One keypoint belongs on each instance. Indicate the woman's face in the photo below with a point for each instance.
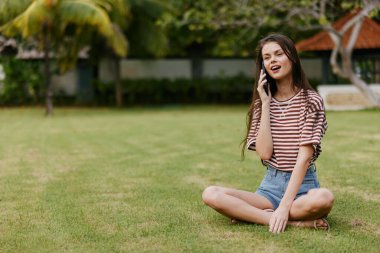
(276, 62)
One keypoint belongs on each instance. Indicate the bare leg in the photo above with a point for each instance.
(317, 203)
(237, 204)
(248, 206)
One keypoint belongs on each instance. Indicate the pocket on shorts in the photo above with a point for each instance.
(310, 177)
(266, 180)
(268, 177)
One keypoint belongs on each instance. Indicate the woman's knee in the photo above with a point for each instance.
(322, 199)
(210, 195)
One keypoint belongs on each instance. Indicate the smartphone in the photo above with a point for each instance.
(266, 85)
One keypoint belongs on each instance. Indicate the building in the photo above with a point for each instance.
(366, 53)
(76, 82)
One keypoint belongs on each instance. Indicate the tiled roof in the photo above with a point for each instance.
(369, 36)
(7, 43)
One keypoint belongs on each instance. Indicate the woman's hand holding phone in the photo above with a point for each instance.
(264, 96)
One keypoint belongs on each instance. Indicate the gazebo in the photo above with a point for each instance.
(366, 54)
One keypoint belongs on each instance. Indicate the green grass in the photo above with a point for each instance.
(131, 181)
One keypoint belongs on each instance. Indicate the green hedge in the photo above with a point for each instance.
(226, 90)
(222, 90)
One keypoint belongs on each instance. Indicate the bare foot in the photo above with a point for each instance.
(321, 224)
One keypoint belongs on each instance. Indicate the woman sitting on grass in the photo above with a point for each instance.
(286, 123)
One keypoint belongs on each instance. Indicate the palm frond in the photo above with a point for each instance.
(118, 5)
(85, 12)
(9, 9)
(118, 42)
(120, 13)
(29, 22)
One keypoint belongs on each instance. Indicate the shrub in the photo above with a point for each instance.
(224, 90)
(220, 90)
(23, 82)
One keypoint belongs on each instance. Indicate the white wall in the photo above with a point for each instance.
(228, 67)
(345, 97)
(66, 83)
(163, 68)
(156, 68)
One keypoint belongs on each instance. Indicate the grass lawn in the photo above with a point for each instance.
(131, 181)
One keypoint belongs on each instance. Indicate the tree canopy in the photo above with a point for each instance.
(62, 28)
(69, 25)
(230, 28)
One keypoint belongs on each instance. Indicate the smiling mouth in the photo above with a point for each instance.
(275, 68)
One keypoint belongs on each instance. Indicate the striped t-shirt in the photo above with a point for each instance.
(297, 121)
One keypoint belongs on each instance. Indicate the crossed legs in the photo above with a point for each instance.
(248, 206)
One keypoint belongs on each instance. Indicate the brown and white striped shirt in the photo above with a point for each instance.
(297, 121)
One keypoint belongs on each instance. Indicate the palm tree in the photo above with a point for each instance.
(62, 27)
(139, 23)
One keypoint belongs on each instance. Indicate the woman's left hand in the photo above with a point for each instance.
(279, 219)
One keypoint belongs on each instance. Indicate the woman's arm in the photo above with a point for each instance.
(303, 160)
(264, 142)
(280, 217)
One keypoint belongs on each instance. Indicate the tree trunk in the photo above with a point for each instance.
(365, 89)
(196, 54)
(118, 90)
(357, 81)
(48, 88)
(346, 70)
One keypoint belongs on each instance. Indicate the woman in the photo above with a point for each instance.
(286, 123)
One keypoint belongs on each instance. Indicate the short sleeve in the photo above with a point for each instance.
(255, 126)
(315, 124)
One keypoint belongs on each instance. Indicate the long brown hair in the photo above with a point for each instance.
(299, 77)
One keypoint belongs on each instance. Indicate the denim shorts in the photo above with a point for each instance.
(275, 182)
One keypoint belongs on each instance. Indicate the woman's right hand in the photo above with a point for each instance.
(260, 88)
